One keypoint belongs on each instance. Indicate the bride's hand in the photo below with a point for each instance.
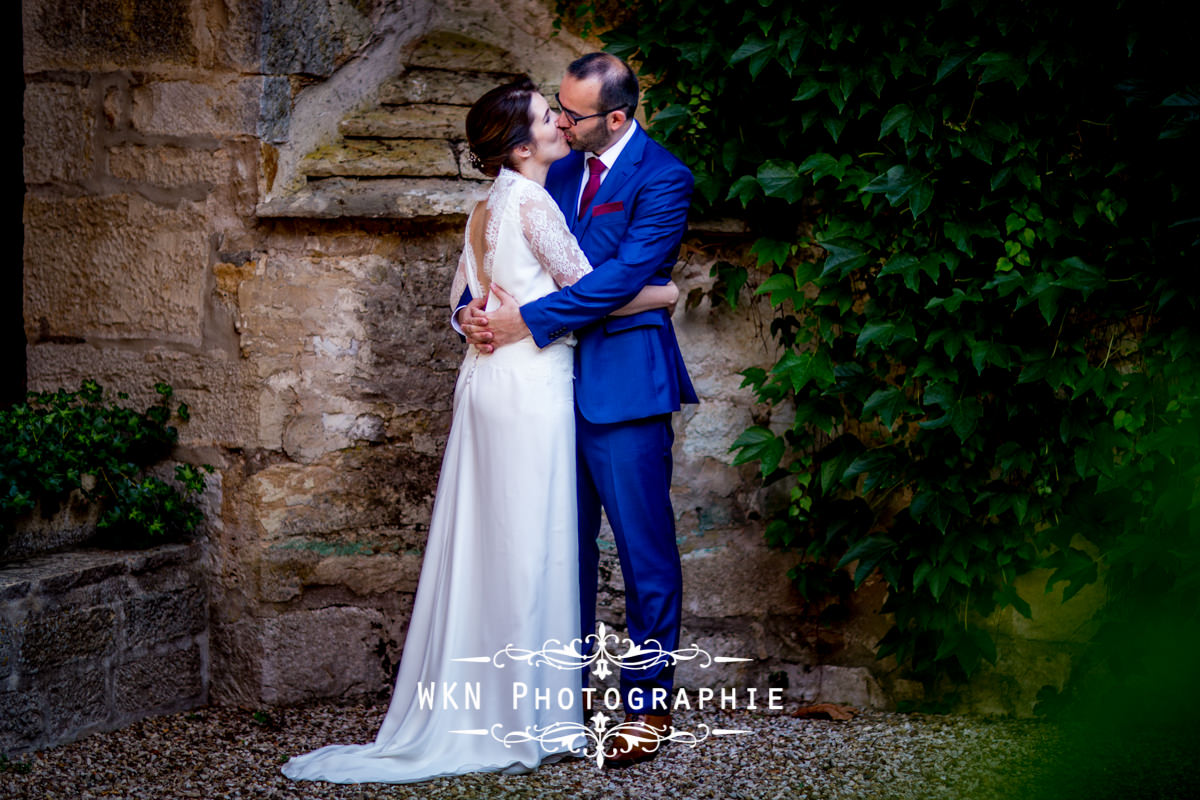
(673, 290)
(474, 323)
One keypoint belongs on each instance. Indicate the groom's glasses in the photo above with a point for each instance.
(578, 118)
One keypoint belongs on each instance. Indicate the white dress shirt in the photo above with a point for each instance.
(607, 159)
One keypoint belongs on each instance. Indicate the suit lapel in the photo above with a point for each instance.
(564, 187)
(614, 182)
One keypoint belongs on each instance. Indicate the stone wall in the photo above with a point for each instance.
(93, 640)
(186, 221)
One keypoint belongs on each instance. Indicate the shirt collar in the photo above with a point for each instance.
(611, 154)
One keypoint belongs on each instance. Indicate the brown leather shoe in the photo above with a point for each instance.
(637, 740)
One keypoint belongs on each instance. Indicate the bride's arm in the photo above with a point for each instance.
(558, 251)
(651, 297)
(459, 284)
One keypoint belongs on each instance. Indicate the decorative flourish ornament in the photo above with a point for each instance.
(597, 650)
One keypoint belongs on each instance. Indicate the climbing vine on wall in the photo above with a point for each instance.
(976, 223)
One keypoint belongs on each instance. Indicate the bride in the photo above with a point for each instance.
(500, 564)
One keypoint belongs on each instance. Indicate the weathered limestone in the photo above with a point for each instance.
(384, 198)
(339, 647)
(94, 640)
(429, 121)
(446, 86)
(220, 392)
(184, 108)
(446, 48)
(60, 34)
(314, 38)
(59, 128)
(115, 267)
(417, 157)
(171, 165)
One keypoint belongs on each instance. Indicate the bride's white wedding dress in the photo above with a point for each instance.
(500, 565)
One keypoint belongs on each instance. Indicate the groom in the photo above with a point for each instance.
(626, 200)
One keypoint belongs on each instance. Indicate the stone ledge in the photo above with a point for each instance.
(384, 198)
(93, 640)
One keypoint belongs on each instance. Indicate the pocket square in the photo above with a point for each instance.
(608, 208)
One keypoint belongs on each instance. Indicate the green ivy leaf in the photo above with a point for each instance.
(844, 256)
(669, 118)
(756, 51)
(900, 120)
(758, 444)
(888, 404)
(782, 179)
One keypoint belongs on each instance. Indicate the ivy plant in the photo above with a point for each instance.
(62, 442)
(976, 223)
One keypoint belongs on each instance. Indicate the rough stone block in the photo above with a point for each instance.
(312, 38)
(228, 34)
(439, 86)
(111, 32)
(379, 487)
(181, 108)
(75, 700)
(854, 686)
(382, 573)
(114, 267)
(453, 51)
(170, 165)
(44, 529)
(375, 159)
(408, 122)
(275, 110)
(219, 391)
(339, 647)
(10, 633)
(68, 636)
(236, 670)
(715, 580)
(160, 618)
(59, 126)
(159, 682)
(21, 721)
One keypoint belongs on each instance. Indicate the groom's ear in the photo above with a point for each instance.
(616, 119)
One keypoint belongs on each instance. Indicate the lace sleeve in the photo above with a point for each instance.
(460, 280)
(546, 231)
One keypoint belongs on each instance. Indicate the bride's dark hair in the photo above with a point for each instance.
(497, 124)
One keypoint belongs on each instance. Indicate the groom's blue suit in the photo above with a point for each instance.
(629, 378)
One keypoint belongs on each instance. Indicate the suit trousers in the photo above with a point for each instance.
(625, 468)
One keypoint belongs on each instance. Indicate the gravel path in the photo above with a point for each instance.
(230, 753)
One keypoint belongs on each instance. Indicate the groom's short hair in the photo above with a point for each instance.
(618, 83)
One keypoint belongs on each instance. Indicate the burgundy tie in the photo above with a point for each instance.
(596, 168)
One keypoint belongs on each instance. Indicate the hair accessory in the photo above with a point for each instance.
(475, 160)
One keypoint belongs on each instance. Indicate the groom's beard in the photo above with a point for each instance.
(594, 141)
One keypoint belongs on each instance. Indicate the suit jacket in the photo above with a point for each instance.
(626, 368)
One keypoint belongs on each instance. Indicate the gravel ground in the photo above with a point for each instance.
(231, 753)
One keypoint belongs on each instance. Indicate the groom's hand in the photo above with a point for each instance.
(505, 323)
(474, 323)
